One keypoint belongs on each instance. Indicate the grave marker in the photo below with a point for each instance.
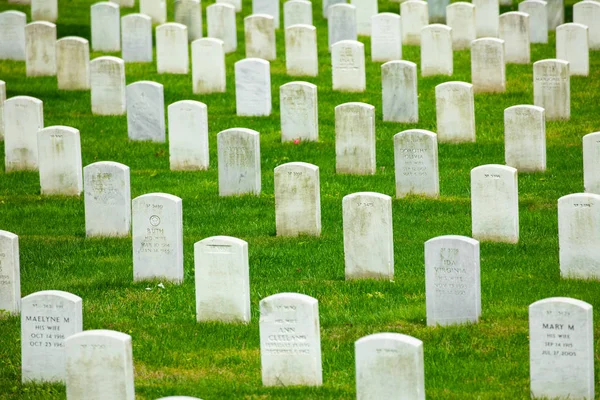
(172, 53)
(399, 91)
(108, 86)
(188, 136)
(538, 19)
(386, 37)
(297, 12)
(73, 63)
(455, 112)
(237, 4)
(10, 274)
(239, 162)
(301, 50)
(23, 117)
(208, 66)
(12, 35)
(551, 88)
(437, 11)
(106, 27)
(355, 139)
(136, 38)
(487, 18)
(416, 163)
(298, 110)
(44, 10)
(365, 10)
(556, 13)
(146, 111)
(260, 37)
(514, 30)
(253, 87)
(341, 24)
(220, 19)
(2, 99)
(40, 49)
(488, 69)
(348, 66)
(572, 46)
(59, 151)
(461, 18)
(155, 9)
(588, 13)
(436, 50)
(268, 7)
(591, 162)
(525, 138)
(415, 16)
(189, 13)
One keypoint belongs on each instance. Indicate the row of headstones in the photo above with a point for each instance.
(55, 348)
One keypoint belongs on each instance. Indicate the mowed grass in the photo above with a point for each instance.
(175, 355)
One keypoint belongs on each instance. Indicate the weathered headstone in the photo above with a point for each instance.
(268, 7)
(455, 112)
(299, 112)
(189, 13)
(220, 19)
(572, 46)
(488, 69)
(556, 13)
(108, 85)
(106, 27)
(99, 365)
(514, 30)
(237, 4)
(538, 19)
(155, 9)
(365, 10)
(208, 66)
(260, 37)
(552, 89)
(12, 35)
(297, 12)
(495, 203)
(579, 235)
(59, 152)
(188, 135)
(157, 237)
(48, 318)
(355, 139)
(591, 162)
(290, 318)
(239, 162)
(23, 117)
(400, 99)
(73, 63)
(44, 10)
(253, 87)
(328, 3)
(222, 279)
(416, 163)
(389, 366)
(107, 196)
(415, 17)
(525, 138)
(452, 280)
(10, 274)
(588, 13)
(561, 349)
(146, 111)
(437, 11)
(368, 236)
(124, 3)
(486, 18)
(301, 57)
(2, 99)
(436, 50)
(40, 49)
(348, 66)
(461, 18)
(386, 37)
(136, 38)
(172, 52)
(297, 199)
(341, 24)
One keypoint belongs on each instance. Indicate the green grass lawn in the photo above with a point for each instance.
(175, 355)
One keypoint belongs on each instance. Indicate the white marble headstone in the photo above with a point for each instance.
(146, 111)
(2, 99)
(157, 237)
(556, 13)
(188, 136)
(452, 280)
(268, 7)
(552, 89)
(124, 3)
(222, 279)
(237, 4)
(155, 9)
(44, 10)
(299, 112)
(416, 163)
(572, 45)
(253, 87)
(239, 162)
(487, 13)
(561, 349)
(538, 19)
(107, 81)
(106, 27)
(290, 318)
(591, 162)
(437, 11)
(259, 32)
(368, 236)
(220, 19)
(495, 203)
(40, 49)
(400, 98)
(355, 139)
(348, 66)
(99, 366)
(436, 50)
(588, 13)
(328, 3)
(107, 196)
(12, 35)
(389, 366)
(514, 30)
(365, 10)
(189, 13)
(172, 52)
(579, 235)
(525, 138)
(301, 57)
(73, 63)
(208, 66)
(415, 16)
(488, 69)
(47, 319)
(341, 23)
(297, 199)
(460, 17)
(23, 117)
(10, 274)
(386, 37)
(297, 12)
(59, 152)
(455, 112)
(136, 38)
